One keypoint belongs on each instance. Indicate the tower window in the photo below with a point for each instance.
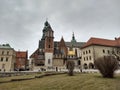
(49, 46)
(51, 34)
(48, 61)
(49, 40)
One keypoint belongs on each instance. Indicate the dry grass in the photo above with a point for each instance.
(65, 82)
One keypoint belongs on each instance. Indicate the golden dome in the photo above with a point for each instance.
(71, 53)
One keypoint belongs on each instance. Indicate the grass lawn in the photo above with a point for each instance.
(65, 82)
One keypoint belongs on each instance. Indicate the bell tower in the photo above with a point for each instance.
(49, 44)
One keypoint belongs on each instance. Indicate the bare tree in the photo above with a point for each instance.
(116, 50)
(70, 66)
(107, 65)
(116, 53)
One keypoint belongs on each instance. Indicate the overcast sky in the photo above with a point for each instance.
(22, 21)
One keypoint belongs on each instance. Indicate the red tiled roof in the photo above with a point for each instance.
(104, 42)
(22, 54)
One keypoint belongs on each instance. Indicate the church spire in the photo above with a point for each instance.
(73, 39)
(46, 28)
(46, 23)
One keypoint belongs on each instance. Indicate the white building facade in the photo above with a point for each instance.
(96, 48)
(7, 58)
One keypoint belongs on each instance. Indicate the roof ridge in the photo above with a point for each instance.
(100, 41)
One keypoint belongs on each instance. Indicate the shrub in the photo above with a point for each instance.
(70, 66)
(106, 66)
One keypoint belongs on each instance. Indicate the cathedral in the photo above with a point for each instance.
(53, 55)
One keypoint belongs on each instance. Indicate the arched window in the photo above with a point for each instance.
(85, 66)
(79, 62)
(103, 51)
(91, 65)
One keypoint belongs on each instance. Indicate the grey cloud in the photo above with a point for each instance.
(22, 21)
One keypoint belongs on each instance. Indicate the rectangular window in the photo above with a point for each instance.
(1, 59)
(108, 52)
(6, 59)
(87, 58)
(90, 57)
(80, 57)
(83, 53)
(2, 52)
(89, 51)
(7, 52)
(49, 46)
(86, 52)
(48, 61)
(103, 51)
(84, 58)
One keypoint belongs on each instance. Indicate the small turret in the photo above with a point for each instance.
(73, 39)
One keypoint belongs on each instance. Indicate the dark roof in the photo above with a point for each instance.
(47, 27)
(69, 44)
(77, 44)
(56, 44)
(37, 53)
(41, 44)
(56, 50)
(5, 46)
